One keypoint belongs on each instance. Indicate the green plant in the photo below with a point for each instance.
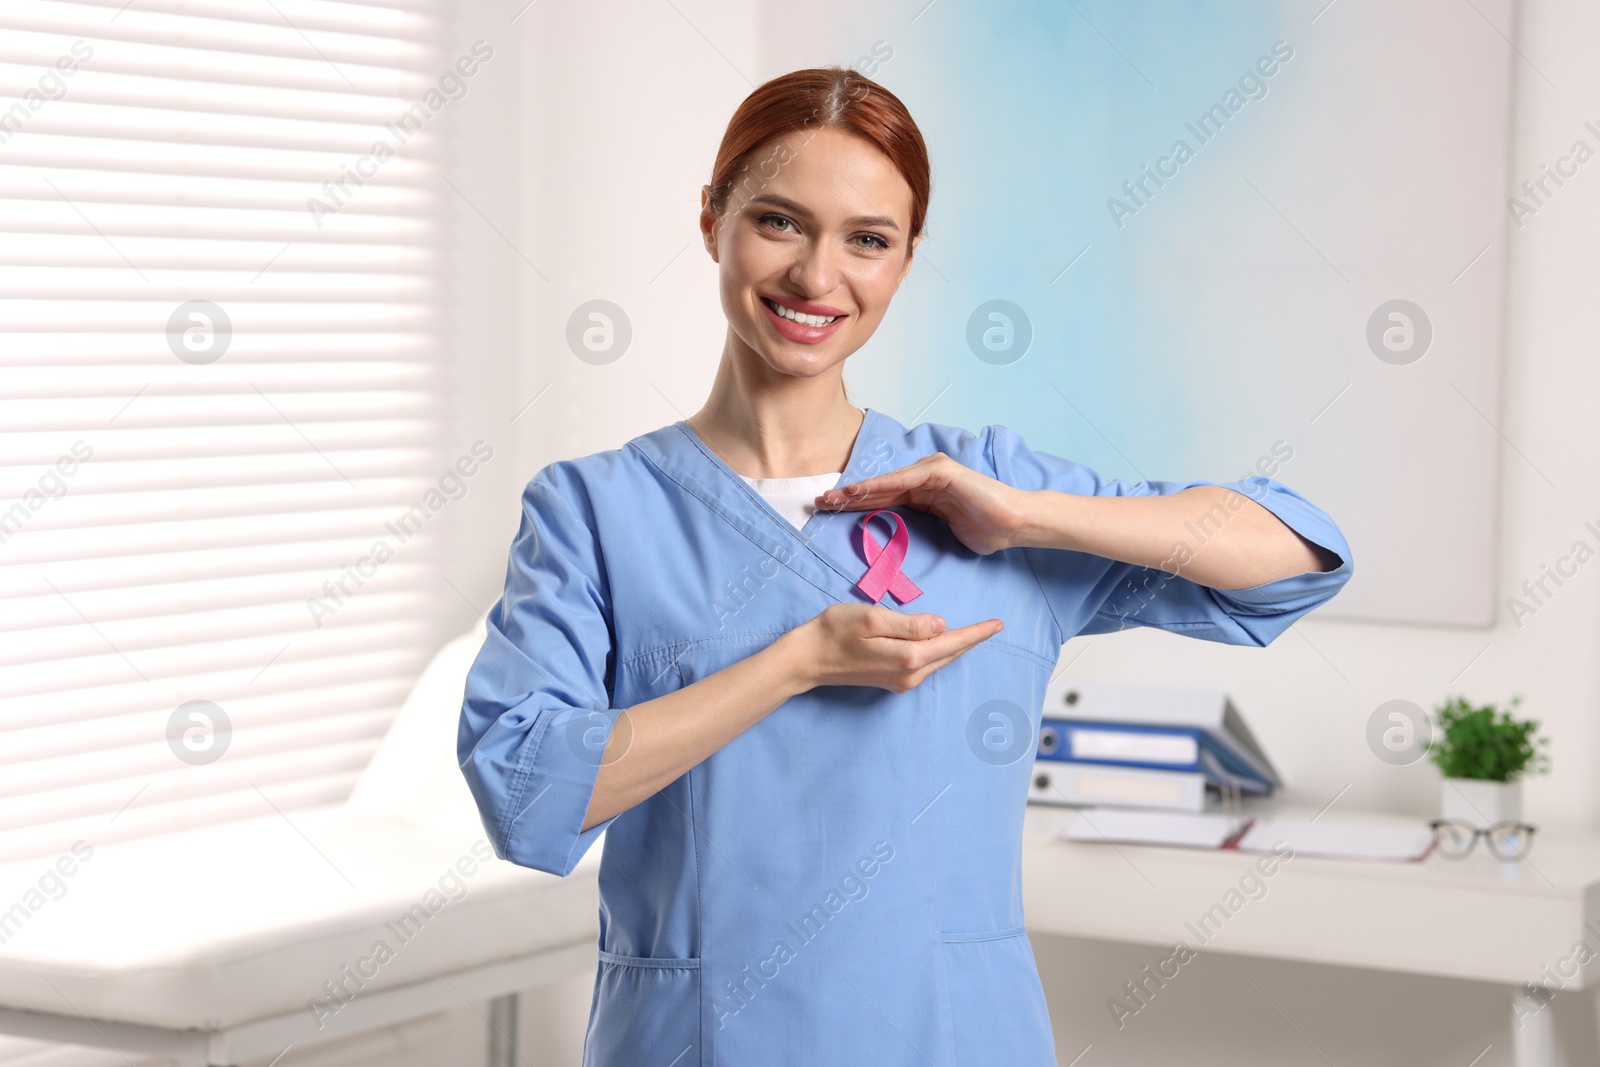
(1487, 743)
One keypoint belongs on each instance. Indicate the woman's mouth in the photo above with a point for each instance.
(799, 326)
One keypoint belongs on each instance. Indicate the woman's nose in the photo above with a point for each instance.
(815, 271)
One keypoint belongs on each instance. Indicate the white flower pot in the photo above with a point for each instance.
(1481, 803)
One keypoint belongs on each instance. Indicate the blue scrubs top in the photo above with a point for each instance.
(842, 882)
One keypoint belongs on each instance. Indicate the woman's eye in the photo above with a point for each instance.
(782, 224)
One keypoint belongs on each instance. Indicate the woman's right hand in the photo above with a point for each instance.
(867, 644)
(848, 644)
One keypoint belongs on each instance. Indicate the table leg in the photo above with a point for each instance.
(503, 1031)
(1533, 1027)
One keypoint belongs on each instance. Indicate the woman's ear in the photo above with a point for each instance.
(708, 222)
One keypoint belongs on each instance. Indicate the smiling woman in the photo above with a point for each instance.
(738, 761)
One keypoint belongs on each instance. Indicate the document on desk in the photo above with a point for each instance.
(1341, 839)
(1183, 828)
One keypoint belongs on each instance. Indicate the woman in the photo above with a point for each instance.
(813, 801)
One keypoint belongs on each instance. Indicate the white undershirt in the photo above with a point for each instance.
(794, 498)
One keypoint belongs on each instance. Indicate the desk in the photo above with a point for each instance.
(1513, 924)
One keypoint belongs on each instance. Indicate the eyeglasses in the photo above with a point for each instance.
(1454, 838)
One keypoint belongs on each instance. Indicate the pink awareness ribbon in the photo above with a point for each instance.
(883, 564)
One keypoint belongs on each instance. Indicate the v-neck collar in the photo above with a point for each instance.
(681, 453)
(845, 478)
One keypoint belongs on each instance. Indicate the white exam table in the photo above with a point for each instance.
(212, 946)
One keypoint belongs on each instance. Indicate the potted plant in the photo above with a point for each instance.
(1485, 753)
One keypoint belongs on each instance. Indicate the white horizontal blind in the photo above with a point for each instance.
(179, 482)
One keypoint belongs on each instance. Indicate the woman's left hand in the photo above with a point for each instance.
(984, 514)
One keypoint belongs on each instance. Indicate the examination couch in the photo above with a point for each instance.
(231, 943)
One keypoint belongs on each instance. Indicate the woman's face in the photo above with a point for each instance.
(817, 226)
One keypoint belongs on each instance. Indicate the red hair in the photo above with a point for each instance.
(812, 99)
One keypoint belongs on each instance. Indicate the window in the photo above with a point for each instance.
(221, 405)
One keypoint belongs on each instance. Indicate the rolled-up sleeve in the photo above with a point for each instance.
(536, 711)
(1090, 594)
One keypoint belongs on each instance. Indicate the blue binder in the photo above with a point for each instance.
(1154, 727)
(1188, 749)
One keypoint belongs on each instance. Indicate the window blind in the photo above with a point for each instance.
(221, 391)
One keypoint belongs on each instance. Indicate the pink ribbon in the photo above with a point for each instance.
(883, 564)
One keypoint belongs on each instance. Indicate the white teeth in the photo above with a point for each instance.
(799, 316)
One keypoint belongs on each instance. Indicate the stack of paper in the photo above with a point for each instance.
(1342, 838)
(1188, 829)
(1385, 839)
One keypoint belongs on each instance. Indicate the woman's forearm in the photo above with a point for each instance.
(652, 744)
(1212, 535)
